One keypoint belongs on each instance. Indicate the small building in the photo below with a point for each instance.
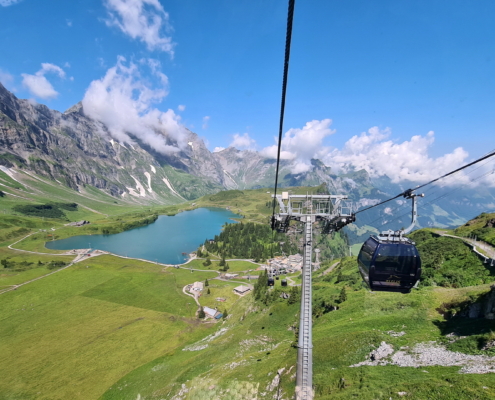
(213, 313)
(242, 290)
(197, 286)
(230, 276)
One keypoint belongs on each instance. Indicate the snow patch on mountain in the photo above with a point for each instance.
(171, 188)
(139, 187)
(148, 175)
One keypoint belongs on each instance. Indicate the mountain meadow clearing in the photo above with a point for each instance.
(114, 328)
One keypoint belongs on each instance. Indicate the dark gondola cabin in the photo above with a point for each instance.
(284, 282)
(271, 282)
(389, 265)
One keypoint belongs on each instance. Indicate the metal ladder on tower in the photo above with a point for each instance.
(304, 389)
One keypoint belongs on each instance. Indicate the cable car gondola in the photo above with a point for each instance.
(390, 261)
(271, 282)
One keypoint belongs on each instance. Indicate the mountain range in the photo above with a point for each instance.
(74, 151)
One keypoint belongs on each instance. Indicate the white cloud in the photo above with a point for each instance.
(217, 149)
(205, 122)
(302, 145)
(6, 3)
(375, 152)
(181, 107)
(243, 142)
(408, 160)
(68, 22)
(38, 85)
(143, 20)
(122, 100)
(6, 78)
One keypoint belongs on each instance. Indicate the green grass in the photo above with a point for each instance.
(74, 333)
(108, 328)
(26, 266)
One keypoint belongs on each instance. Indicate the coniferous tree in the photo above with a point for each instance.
(206, 283)
(225, 314)
(201, 313)
(343, 295)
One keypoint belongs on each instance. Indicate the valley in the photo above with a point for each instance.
(125, 330)
(113, 326)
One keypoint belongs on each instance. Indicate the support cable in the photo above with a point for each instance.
(408, 192)
(288, 37)
(400, 208)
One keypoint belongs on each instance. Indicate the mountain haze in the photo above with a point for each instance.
(78, 152)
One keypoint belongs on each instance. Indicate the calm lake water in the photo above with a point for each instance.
(164, 240)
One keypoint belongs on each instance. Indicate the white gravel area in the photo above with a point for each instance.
(203, 343)
(429, 354)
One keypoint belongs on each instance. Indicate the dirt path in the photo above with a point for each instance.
(184, 290)
(330, 269)
(14, 287)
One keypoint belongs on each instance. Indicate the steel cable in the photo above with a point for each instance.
(288, 38)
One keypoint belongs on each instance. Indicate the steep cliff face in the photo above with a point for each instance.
(76, 151)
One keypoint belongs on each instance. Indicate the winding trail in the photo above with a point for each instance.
(330, 269)
(84, 254)
(489, 250)
(78, 258)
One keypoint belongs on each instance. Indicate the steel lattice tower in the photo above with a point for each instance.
(334, 214)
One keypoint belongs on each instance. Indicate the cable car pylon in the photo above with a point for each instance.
(334, 213)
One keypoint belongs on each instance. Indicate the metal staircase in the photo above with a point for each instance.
(304, 377)
(334, 215)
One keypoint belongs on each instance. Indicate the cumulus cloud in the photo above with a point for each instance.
(38, 85)
(123, 99)
(217, 149)
(381, 156)
(243, 142)
(6, 3)
(143, 20)
(181, 107)
(205, 122)
(302, 144)
(378, 154)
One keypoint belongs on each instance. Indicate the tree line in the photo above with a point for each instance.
(250, 241)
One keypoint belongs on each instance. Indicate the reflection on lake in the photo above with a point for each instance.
(163, 241)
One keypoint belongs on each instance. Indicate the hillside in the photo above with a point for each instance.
(45, 154)
(119, 318)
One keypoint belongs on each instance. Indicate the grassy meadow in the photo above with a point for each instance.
(74, 333)
(110, 328)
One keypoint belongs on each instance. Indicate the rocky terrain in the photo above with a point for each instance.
(78, 152)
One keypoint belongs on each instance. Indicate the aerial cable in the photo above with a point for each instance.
(441, 196)
(288, 37)
(408, 192)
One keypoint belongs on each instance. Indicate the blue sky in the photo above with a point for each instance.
(407, 81)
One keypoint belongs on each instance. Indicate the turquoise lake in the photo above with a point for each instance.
(163, 241)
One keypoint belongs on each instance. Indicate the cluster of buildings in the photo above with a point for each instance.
(283, 265)
(197, 288)
(79, 223)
